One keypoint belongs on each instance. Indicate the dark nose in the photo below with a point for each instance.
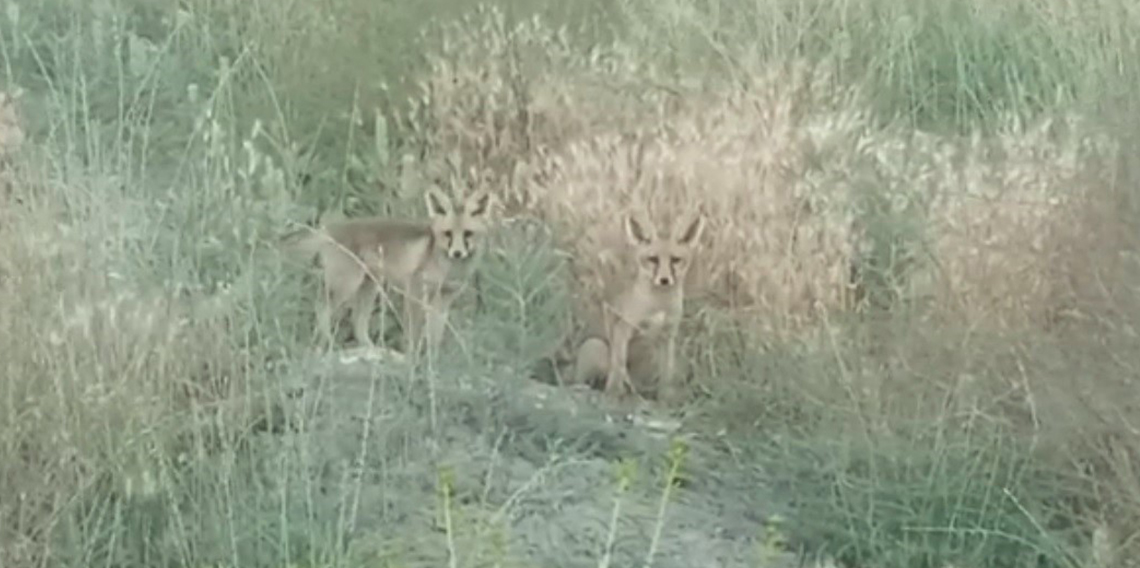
(456, 254)
(664, 281)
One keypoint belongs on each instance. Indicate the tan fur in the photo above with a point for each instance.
(427, 262)
(643, 309)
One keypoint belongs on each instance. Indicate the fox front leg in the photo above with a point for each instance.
(669, 390)
(617, 376)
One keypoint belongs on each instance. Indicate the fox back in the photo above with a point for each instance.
(399, 249)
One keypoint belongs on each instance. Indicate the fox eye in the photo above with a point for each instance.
(447, 235)
(675, 260)
(468, 234)
(653, 259)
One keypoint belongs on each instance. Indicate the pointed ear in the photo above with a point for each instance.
(640, 233)
(478, 204)
(691, 233)
(438, 203)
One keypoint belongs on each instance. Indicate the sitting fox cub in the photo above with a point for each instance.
(427, 262)
(643, 309)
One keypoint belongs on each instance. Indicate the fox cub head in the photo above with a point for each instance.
(456, 230)
(664, 261)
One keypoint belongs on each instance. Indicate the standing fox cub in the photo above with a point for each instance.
(427, 262)
(645, 308)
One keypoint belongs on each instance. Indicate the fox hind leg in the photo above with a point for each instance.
(591, 365)
(341, 284)
(363, 302)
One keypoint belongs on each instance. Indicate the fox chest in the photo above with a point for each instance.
(654, 323)
(647, 323)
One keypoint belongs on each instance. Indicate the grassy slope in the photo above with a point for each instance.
(147, 329)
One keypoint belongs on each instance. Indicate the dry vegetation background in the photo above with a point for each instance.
(917, 310)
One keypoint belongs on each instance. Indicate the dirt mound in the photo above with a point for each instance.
(532, 473)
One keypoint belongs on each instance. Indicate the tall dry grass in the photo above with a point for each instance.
(809, 197)
(105, 381)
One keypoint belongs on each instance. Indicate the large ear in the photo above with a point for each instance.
(438, 203)
(478, 204)
(639, 232)
(691, 233)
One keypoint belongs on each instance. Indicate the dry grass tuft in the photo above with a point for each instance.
(573, 140)
(1004, 214)
(778, 244)
(800, 184)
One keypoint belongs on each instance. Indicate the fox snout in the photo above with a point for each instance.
(663, 271)
(458, 246)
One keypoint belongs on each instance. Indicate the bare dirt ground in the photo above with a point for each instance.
(532, 470)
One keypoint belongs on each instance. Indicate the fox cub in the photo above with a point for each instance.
(428, 262)
(644, 308)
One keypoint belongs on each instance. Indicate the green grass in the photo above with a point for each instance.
(155, 343)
